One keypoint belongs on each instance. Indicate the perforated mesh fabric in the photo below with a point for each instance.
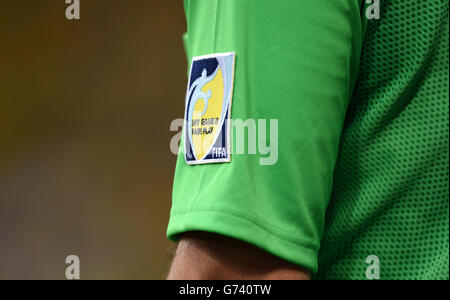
(391, 185)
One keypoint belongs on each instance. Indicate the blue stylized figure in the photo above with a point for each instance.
(196, 91)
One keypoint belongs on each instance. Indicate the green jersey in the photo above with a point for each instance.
(358, 110)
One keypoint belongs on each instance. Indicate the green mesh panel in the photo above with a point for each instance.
(391, 184)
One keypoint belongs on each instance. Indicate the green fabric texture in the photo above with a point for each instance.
(391, 187)
(363, 135)
(296, 61)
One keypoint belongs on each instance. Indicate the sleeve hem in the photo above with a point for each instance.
(241, 228)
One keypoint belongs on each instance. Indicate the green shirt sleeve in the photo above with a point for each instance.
(296, 62)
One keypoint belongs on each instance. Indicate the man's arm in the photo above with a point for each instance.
(206, 256)
(296, 62)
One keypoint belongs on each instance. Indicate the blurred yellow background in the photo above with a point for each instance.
(85, 109)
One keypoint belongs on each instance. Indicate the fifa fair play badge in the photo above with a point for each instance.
(208, 109)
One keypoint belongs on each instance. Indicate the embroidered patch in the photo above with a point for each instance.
(208, 109)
